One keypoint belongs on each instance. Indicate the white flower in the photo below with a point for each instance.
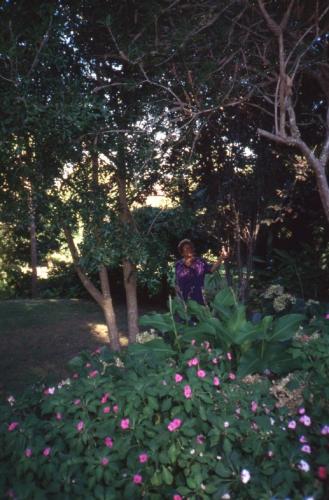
(192, 452)
(11, 400)
(303, 465)
(219, 457)
(202, 486)
(226, 424)
(226, 496)
(245, 476)
(272, 421)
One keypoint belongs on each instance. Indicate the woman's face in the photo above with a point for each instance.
(188, 252)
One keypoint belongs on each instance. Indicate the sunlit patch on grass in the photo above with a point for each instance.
(99, 331)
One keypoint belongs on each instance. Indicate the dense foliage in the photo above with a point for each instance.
(158, 428)
(162, 422)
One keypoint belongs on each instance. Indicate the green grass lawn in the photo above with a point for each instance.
(39, 337)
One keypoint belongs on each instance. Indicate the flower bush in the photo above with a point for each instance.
(176, 425)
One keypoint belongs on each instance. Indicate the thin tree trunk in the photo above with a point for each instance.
(129, 268)
(108, 309)
(129, 276)
(33, 243)
(103, 299)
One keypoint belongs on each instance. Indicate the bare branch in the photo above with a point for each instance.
(287, 141)
(286, 16)
(273, 25)
(325, 150)
(43, 42)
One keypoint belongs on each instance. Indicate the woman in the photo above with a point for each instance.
(191, 270)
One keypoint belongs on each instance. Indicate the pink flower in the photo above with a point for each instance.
(12, 426)
(58, 416)
(75, 375)
(49, 390)
(108, 442)
(28, 452)
(214, 361)
(124, 423)
(178, 378)
(93, 374)
(77, 402)
(201, 373)
(107, 409)
(303, 439)
(187, 392)
(200, 439)
(232, 376)
(254, 406)
(193, 362)
(306, 448)
(301, 411)
(104, 461)
(325, 430)
(80, 425)
(46, 452)
(177, 497)
(229, 356)
(105, 398)
(115, 408)
(326, 316)
(143, 458)
(292, 424)
(216, 381)
(206, 344)
(270, 454)
(137, 479)
(193, 342)
(305, 420)
(97, 351)
(322, 472)
(174, 424)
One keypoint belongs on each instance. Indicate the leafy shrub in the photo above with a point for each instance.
(157, 424)
(256, 347)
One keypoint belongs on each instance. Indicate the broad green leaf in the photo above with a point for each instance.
(160, 322)
(286, 327)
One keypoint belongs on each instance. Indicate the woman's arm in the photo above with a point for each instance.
(224, 254)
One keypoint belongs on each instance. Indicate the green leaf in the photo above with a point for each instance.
(224, 298)
(172, 453)
(202, 313)
(160, 322)
(156, 479)
(286, 327)
(167, 475)
(156, 347)
(222, 471)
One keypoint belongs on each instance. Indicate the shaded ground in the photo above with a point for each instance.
(39, 337)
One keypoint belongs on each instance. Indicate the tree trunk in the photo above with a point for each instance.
(104, 299)
(108, 309)
(129, 268)
(33, 243)
(129, 276)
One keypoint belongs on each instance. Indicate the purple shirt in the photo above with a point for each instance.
(190, 279)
